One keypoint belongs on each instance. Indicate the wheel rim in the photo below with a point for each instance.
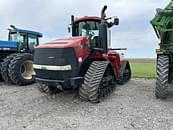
(27, 69)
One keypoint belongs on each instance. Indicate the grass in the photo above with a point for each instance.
(143, 69)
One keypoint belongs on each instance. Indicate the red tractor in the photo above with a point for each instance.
(82, 62)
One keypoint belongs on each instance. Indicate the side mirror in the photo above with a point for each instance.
(116, 21)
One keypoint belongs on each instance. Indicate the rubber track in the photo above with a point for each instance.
(162, 76)
(43, 88)
(90, 89)
(49, 90)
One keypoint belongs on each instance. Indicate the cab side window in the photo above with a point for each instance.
(32, 42)
(23, 42)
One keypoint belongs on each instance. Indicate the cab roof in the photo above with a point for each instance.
(26, 31)
(77, 19)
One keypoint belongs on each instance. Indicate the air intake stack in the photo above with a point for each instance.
(103, 30)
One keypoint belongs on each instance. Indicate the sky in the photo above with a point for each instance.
(51, 17)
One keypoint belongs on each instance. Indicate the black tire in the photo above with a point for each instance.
(47, 89)
(0, 70)
(162, 76)
(126, 73)
(4, 68)
(19, 73)
(92, 89)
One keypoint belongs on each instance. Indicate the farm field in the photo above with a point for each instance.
(143, 68)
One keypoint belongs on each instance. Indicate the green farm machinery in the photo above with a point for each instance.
(163, 26)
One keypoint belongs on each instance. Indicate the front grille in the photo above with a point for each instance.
(56, 57)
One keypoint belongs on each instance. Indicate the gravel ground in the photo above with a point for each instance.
(131, 106)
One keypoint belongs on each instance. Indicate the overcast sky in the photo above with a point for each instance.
(51, 17)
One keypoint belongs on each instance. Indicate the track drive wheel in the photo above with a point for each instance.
(162, 76)
(4, 68)
(21, 69)
(99, 82)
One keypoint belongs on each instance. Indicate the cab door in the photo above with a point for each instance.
(32, 42)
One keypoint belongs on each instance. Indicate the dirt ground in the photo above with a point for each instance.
(131, 106)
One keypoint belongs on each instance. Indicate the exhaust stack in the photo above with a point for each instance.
(103, 13)
(103, 30)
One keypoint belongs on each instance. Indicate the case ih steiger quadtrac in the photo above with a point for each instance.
(82, 62)
(163, 26)
(16, 56)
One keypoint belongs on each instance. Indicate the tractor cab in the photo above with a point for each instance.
(25, 40)
(95, 29)
(87, 26)
(19, 41)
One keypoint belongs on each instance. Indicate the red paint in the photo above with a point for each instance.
(80, 45)
(112, 56)
(82, 51)
(64, 42)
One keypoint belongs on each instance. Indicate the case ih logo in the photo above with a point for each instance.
(51, 57)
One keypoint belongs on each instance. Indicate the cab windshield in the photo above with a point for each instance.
(25, 41)
(88, 28)
(16, 37)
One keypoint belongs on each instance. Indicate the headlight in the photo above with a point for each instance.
(50, 67)
(5, 48)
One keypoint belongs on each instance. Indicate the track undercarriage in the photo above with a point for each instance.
(99, 82)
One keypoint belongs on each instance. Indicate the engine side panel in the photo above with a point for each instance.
(112, 57)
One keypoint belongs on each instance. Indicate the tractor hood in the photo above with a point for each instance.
(8, 45)
(65, 43)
